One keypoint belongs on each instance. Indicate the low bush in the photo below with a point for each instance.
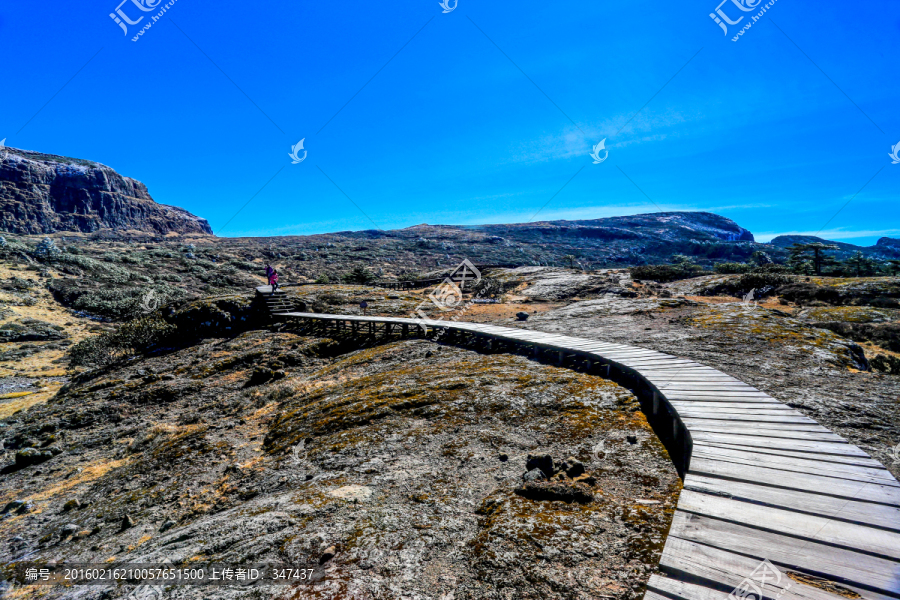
(665, 273)
(119, 303)
(761, 283)
(732, 268)
(134, 337)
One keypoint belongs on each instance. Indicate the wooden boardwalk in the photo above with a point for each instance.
(762, 482)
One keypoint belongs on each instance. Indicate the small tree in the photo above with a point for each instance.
(360, 275)
(815, 252)
(46, 250)
(860, 264)
(893, 267)
(570, 260)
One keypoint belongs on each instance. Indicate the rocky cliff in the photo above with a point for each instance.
(44, 193)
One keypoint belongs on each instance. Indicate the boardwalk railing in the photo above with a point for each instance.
(774, 506)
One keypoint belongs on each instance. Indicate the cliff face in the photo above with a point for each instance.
(43, 193)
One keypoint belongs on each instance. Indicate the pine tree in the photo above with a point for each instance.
(893, 267)
(860, 264)
(46, 249)
(814, 253)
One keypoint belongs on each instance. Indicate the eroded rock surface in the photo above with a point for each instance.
(393, 470)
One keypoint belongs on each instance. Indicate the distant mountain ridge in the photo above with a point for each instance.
(45, 193)
(884, 246)
(663, 226)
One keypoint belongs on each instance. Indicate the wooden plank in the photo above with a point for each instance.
(835, 564)
(861, 490)
(713, 394)
(863, 461)
(683, 560)
(797, 465)
(749, 416)
(859, 538)
(751, 441)
(725, 401)
(662, 588)
(738, 407)
(852, 511)
(797, 431)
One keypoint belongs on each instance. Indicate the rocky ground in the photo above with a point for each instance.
(397, 470)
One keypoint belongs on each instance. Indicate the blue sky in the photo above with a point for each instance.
(483, 116)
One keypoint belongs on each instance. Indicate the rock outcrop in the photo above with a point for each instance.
(44, 193)
(660, 227)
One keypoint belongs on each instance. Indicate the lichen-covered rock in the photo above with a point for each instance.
(32, 456)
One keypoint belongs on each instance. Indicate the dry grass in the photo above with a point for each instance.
(7, 409)
(91, 472)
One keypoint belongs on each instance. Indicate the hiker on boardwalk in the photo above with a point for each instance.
(273, 280)
(269, 270)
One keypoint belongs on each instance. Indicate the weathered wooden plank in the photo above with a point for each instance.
(662, 588)
(684, 560)
(797, 431)
(863, 461)
(833, 563)
(735, 407)
(859, 538)
(797, 465)
(751, 441)
(749, 416)
(718, 393)
(862, 490)
(851, 511)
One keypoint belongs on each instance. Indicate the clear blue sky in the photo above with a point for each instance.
(450, 130)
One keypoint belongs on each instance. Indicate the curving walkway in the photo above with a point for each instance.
(762, 482)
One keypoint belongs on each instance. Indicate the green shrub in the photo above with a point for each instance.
(732, 268)
(119, 303)
(138, 336)
(46, 250)
(359, 275)
(664, 273)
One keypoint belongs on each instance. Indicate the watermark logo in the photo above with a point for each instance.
(123, 20)
(295, 149)
(596, 153)
(598, 452)
(299, 456)
(149, 302)
(895, 452)
(895, 150)
(445, 4)
(448, 295)
(143, 5)
(723, 20)
(751, 588)
(748, 299)
(146, 591)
